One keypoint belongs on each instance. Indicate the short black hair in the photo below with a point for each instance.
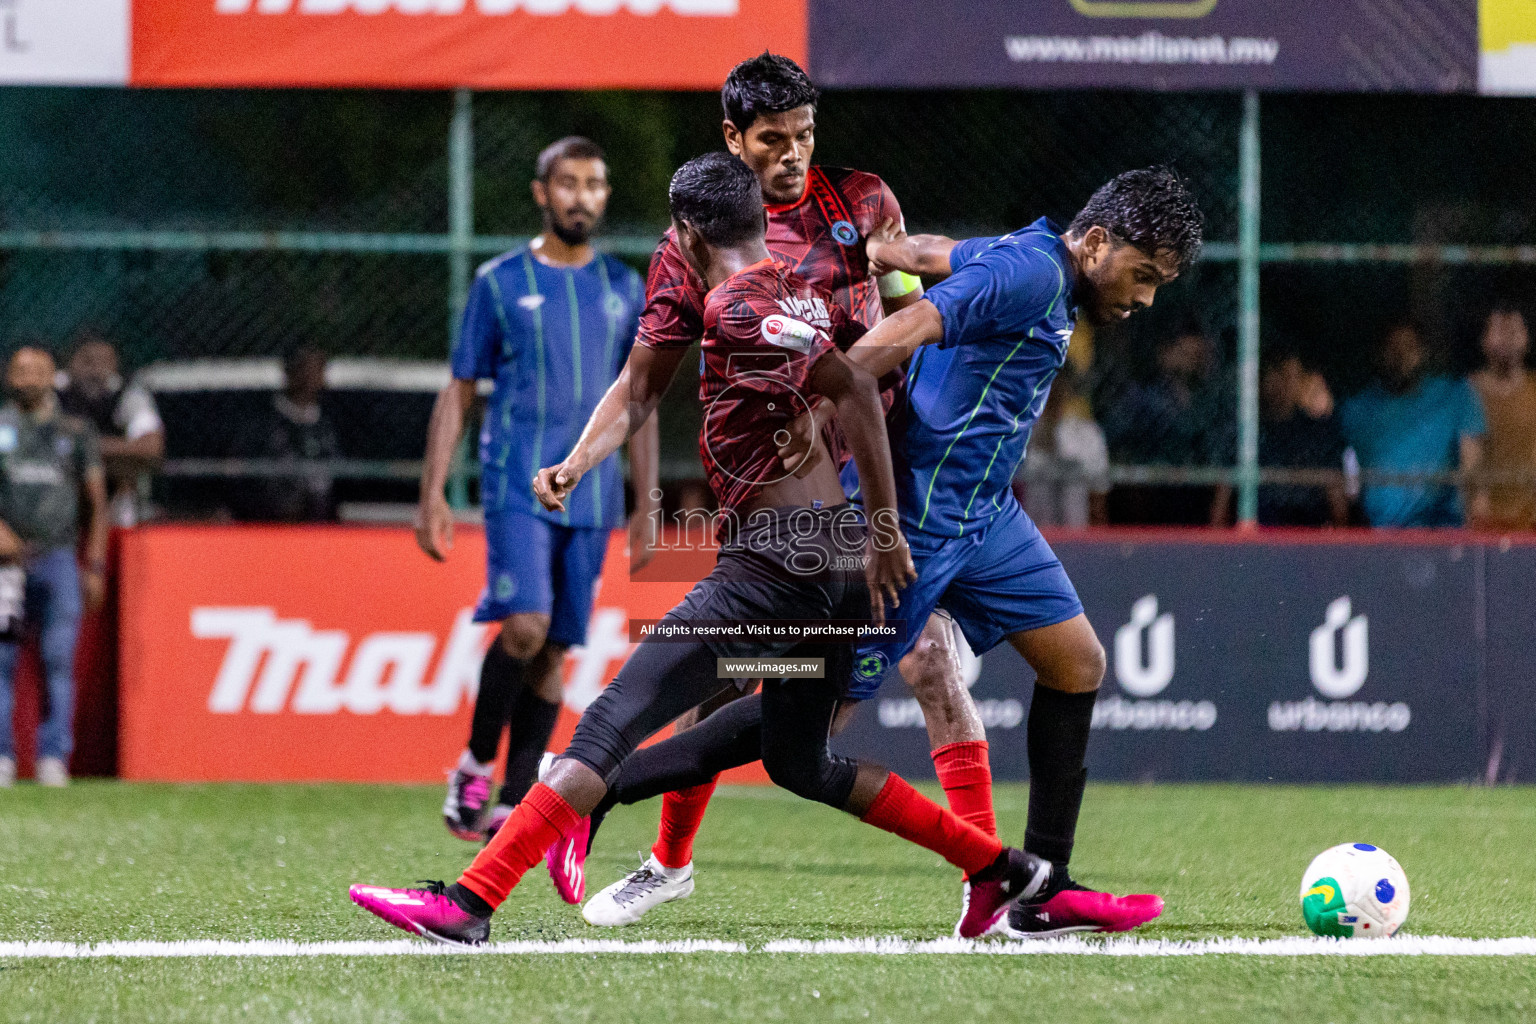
(572, 147)
(766, 84)
(1152, 209)
(719, 197)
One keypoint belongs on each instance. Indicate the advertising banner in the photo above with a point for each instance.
(1511, 631)
(1285, 662)
(323, 653)
(1352, 45)
(64, 42)
(328, 653)
(483, 44)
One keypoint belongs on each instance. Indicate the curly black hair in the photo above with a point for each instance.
(719, 197)
(766, 84)
(1152, 209)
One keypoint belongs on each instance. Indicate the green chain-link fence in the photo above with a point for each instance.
(228, 224)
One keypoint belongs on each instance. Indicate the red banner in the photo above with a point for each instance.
(483, 44)
(324, 653)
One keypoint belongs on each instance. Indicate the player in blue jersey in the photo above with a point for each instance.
(551, 323)
(982, 347)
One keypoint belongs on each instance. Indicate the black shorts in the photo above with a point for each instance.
(782, 565)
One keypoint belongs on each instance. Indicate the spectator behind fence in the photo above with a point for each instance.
(49, 462)
(124, 415)
(1410, 421)
(1179, 418)
(1064, 478)
(293, 428)
(1299, 430)
(1508, 391)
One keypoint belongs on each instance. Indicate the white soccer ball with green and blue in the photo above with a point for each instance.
(1354, 891)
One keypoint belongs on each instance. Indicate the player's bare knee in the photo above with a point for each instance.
(929, 673)
(522, 636)
(1081, 671)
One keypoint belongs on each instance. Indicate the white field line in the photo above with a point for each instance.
(1403, 945)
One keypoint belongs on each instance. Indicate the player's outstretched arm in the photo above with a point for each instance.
(434, 519)
(856, 395)
(890, 344)
(889, 248)
(627, 405)
(894, 339)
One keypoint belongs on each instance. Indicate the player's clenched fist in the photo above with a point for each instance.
(553, 484)
(888, 233)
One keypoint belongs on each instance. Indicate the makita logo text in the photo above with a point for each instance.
(593, 8)
(274, 665)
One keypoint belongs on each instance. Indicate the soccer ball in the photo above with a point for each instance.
(1355, 890)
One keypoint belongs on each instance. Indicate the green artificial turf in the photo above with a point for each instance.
(106, 861)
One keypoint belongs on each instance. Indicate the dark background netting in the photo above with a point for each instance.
(336, 165)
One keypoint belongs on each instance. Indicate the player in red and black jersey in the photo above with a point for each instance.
(818, 217)
(819, 220)
(761, 326)
(774, 362)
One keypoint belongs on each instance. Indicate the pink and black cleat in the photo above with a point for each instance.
(989, 895)
(567, 863)
(1078, 909)
(462, 808)
(427, 912)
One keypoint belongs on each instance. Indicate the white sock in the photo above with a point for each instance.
(470, 766)
(671, 874)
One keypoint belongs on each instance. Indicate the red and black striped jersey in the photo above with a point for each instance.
(764, 328)
(820, 238)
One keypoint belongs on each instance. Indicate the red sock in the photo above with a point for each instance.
(518, 845)
(903, 810)
(967, 780)
(681, 815)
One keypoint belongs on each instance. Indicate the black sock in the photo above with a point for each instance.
(1058, 728)
(529, 725)
(501, 677)
(468, 902)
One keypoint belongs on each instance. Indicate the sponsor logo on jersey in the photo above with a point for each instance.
(844, 232)
(812, 310)
(786, 333)
(530, 302)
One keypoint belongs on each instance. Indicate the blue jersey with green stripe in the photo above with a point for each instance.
(973, 398)
(553, 339)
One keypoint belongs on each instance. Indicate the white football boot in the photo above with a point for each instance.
(632, 897)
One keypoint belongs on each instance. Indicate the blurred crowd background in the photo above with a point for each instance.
(251, 295)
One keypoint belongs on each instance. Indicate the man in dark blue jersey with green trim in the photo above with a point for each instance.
(984, 345)
(551, 323)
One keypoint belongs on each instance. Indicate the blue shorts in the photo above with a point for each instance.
(534, 565)
(1002, 579)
